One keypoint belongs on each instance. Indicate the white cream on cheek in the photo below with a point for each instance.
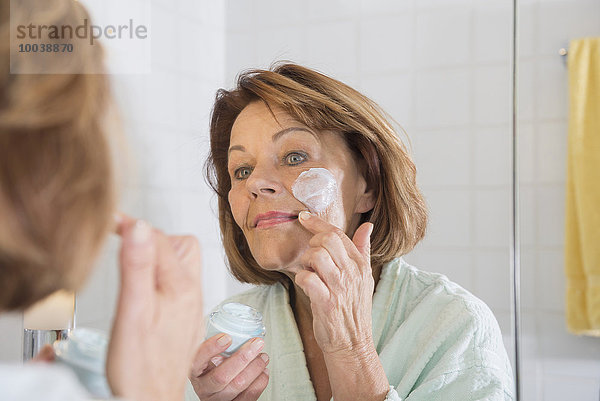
(316, 188)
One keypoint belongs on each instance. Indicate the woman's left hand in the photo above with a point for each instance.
(338, 279)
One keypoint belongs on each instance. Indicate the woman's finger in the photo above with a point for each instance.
(317, 225)
(313, 286)
(255, 389)
(217, 379)
(242, 381)
(208, 350)
(319, 260)
(138, 268)
(333, 243)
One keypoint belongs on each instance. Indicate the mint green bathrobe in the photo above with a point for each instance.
(435, 340)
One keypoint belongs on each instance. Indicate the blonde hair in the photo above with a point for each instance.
(56, 178)
(321, 103)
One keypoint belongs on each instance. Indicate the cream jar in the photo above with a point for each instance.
(241, 322)
(85, 353)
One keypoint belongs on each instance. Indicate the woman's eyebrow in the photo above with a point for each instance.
(276, 136)
(281, 133)
(236, 147)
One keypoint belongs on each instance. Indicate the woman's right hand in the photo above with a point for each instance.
(158, 323)
(241, 377)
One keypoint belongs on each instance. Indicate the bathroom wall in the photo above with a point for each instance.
(556, 365)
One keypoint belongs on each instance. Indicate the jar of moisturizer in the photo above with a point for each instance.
(241, 322)
(85, 353)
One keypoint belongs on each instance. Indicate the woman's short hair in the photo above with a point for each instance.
(321, 103)
(56, 179)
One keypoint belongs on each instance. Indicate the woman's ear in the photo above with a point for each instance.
(366, 197)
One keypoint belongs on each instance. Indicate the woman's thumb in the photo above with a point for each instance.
(362, 238)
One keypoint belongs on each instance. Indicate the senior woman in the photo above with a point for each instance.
(57, 206)
(346, 317)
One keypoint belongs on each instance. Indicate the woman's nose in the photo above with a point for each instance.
(263, 183)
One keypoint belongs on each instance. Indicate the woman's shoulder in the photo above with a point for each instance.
(426, 288)
(431, 303)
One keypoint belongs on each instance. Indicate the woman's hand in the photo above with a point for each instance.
(158, 324)
(241, 377)
(338, 280)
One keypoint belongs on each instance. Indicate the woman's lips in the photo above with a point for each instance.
(269, 219)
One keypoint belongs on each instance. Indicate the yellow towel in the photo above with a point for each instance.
(582, 231)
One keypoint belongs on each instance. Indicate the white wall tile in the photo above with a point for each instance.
(551, 215)
(561, 21)
(443, 157)
(558, 388)
(386, 44)
(527, 216)
(165, 44)
(492, 32)
(492, 217)
(281, 44)
(331, 10)
(492, 94)
(443, 37)
(529, 280)
(454, 264)
(492, 278)
(551, 89)
(276, 13)
(527, 97)
(556, 342)
(332, 47)
(385, 7)
(526, 151)
(442, 98)
(239, 15)
(493, 156)
(241, 54)
(394, 93)
(552, 152)
(551, 281)
(11, 346)
(450, 218)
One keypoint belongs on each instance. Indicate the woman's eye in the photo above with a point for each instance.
(294, 158)
(242, 173)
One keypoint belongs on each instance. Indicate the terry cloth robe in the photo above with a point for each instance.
(435, 340)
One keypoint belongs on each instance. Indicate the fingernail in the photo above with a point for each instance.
(304, 215)
(266, 371)
(141, 232)
(217, 360)
(257, 344)
(223, 340)
(265, 357)
(371, 228)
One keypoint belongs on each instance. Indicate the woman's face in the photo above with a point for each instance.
(266, 155)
